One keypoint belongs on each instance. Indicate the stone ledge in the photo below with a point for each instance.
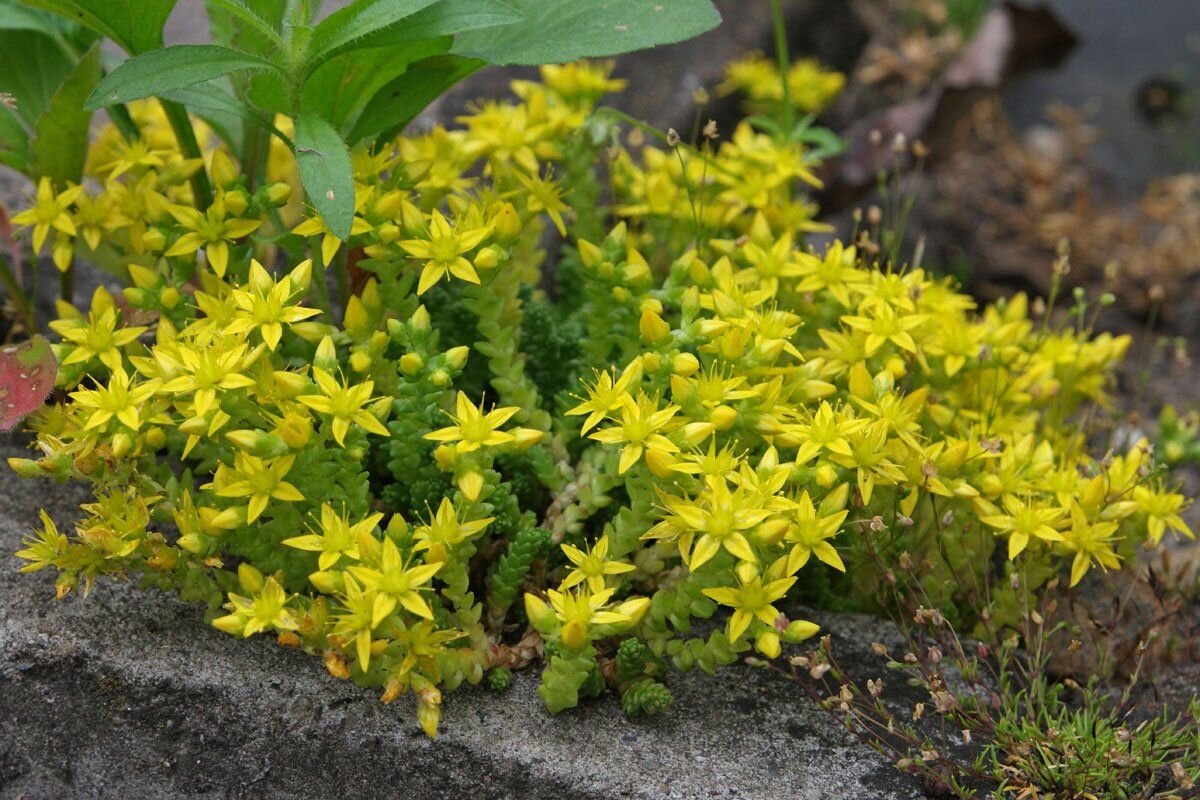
(128, 694)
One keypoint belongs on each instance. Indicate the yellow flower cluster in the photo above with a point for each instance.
(775, 410)
(811, 87)
(747, 410)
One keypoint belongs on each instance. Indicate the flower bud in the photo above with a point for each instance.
(723, 417)
(445, 455)
(411, 363)
(224, 172)
(192, 542)
(226, 520)
(471, 485)
(301, 275)
(660, 462)
(767, 643)
(457, 356)
(295, 430)
(653, 327)
(360, 361)
(326, 355)
(507, 223)
(525, 438)
(825, 475)
(419, 321)
(236, 202)
(250, 578)
(799, 630)
(635, 608)
(388, 232)
(590, 254)
(488, 258)
(289, 384)
(540, 615)
(122, 443)
(154, 240)
(26, 468)
(685, 365)
(327, 582)
(279, 193)
(696, 432)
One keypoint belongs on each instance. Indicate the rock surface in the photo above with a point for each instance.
(128, 694)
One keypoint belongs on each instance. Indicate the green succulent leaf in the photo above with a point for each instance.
(326, 172)
(554, 31)
(162, 71)
(59, 146)
(135, 25)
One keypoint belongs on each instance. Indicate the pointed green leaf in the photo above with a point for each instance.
(60, 142)
(162, 71)
(555, 31)
(342, 86)
(446, 18)
(135, 25)
(343, 29)
(326, 172)
(398, 103)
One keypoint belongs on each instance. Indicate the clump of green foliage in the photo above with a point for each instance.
(387, 434)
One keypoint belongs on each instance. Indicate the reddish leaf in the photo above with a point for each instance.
(27, 373)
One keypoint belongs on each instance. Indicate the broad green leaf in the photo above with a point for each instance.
(326, 172)
(345, 28)
(14, 141)
(555, 31)
(171, 68)
(446, 18)
(72, 39)
(59, 146)
(32, 67)
(398, 103)
(135, 25)
(341, 87)
(18, 18)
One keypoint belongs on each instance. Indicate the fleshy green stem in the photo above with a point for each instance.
(123, 121)
(186, 136)
(781, 53)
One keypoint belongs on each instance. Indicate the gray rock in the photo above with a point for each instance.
(127, 693)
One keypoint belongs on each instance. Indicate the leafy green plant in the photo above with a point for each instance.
(522, 390)
(359, 75)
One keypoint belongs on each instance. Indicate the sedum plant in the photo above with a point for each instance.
(551, 396)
